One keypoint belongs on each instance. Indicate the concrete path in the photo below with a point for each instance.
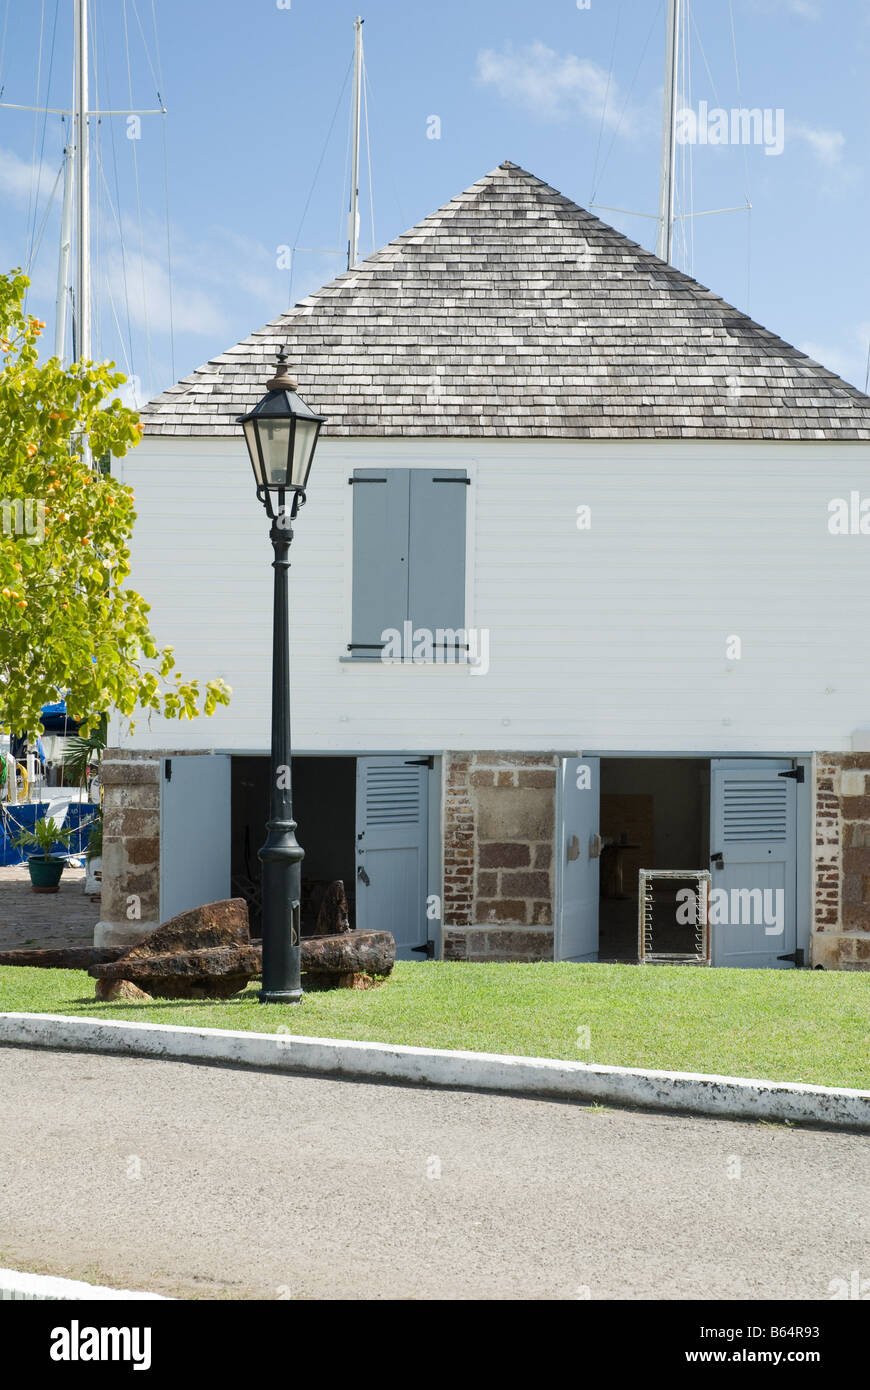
(65, 918)
(209, 1182)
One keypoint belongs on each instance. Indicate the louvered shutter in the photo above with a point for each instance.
(436, 583)
(408, 554)
(380, 556)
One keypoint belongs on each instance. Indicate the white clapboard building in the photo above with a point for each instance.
(581, 588)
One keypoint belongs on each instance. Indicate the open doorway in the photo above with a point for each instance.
(324, 806)
(655, 814)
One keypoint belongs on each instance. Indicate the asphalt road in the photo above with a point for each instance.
(210, 1182)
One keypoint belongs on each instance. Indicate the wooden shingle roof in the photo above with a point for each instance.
(513, 312)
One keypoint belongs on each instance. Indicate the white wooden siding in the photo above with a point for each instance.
(611, 640)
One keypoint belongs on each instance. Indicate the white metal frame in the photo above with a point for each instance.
(645, 953)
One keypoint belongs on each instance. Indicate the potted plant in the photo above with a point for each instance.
(45, 868)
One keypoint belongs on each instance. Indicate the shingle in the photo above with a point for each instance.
(511, 311)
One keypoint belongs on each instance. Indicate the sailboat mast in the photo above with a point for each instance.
(63, 265)
(669, 135)
(83, 185)
(353, 220)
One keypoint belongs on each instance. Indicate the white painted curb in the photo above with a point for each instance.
(15, 1285)
(725, 1096)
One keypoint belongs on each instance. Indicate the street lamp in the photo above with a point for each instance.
(281, 434)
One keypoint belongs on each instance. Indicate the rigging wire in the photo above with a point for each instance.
(3, 43)
(606, 98)
(35, 131)
(108, 196)
(316, 176)
(121, 239)
(145, 313)
(31, 254)
(48, 208)
(403, 221)
(344, 219)
(158, 82)
(369, 152)
(745, 166)
(628, 96)
(96, 145)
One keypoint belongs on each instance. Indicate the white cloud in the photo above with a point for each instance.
(145, 289)
(826, 145)
(848, 359)
(804, 9)
(19, 179)
(555, 86)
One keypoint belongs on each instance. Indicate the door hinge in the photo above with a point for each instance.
(717, 859)
(796, 774)
(427, 950)
(421, 762)
(796, 956)
(167, 769)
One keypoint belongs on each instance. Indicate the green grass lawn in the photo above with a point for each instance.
(782, 1025)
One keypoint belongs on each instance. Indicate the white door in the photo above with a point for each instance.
(392, 802)
(194, 832)
(753, 859)
(578, 807)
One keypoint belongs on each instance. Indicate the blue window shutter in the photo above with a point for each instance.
(380, 556)
(436, 586)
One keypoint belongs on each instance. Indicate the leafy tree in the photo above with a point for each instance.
(69, 625)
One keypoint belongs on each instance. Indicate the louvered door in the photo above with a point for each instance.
(391, 858)
(753, 847)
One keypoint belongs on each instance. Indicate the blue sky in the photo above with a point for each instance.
(573, 94)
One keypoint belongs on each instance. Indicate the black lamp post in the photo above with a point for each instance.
(281, 433)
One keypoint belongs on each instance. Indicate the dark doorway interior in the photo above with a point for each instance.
(324, 807)
(654, 815)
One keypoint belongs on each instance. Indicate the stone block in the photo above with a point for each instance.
(543, 856)
(519, 884)
(853, 888)
(504, 856)
(852, 783)
(515, 813)
(856, 861)
(855, 807)
(537, 777)
(500, 911)
(856, 916)
(130, 772)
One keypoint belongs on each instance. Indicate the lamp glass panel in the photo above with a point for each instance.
(303, 448)
(275, 444)
(250, 428)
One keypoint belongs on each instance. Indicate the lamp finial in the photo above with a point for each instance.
(282, 380)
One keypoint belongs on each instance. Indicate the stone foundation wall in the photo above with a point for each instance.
(499, 827)
(841, 925)
(130, 902)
